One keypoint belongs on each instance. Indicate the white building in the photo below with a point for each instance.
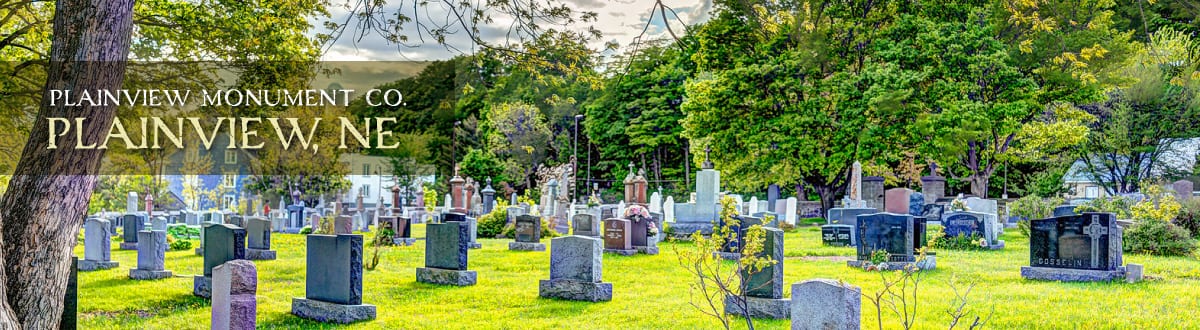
(372, 177)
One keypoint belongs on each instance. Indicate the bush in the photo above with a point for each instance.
(960, 242)
(178, 244)
(491, 225)
(1118, 205)
(1189, 217)
(1158, 238)
(306, 230)
(1030, 208)
(787, 227)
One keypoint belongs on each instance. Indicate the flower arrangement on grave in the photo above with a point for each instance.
(959, 205)
(637, 214)
(593, 201)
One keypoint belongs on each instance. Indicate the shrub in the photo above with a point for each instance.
(1158, 238)
(179, 244)
(1032, 207)
(306, 230)
(787, 227)
(491, 225)
(961, 242)
(1189, 217)
(1118, 205)
(1159, 205)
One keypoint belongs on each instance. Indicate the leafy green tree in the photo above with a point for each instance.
(481, 165)
(519, 132)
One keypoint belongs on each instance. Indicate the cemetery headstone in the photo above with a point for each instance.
(669, 209)
(890, 233)
(640, 237)
(699, 216)
(97, 246)
(470, 225)
(152, 248)
(916, 204)
(616, 237)
(896, 200)
(528, 232)
(258, 239)
(1084, 247)
(772, 196)
(234, 305)
(1183, 190)
(1064, 210)
(848, 216)
(446, 255)
(333, 281)
(575, 270)
(789, 213)
(837, 235)
(131, 202)
(872, 192)
(585, 225)
(131, 225)
(222, 243)
(971, 224)
(826, 304)
(764, 288)
(752, 206)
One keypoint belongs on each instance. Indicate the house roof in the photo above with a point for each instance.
(1180, 156)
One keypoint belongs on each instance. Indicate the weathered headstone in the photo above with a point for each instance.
(1085, 247)
(131, 203)
(763, 288)
(656, 200)
(916, 204)
(789, 212)
(131, 225)
(234, 305)
(837, 235)
(446, 255)
(528, 232)
(222, 243)
(616, 237)
(575, 270)
(584, 224)
(669, 209)
(258, 239)
(826, 304)
(752, 206)
(872, 192)
(333, 282)
(97, 246)
(158, 223)
(699, 216)
(152, 248)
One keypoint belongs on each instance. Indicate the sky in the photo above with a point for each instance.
(620, 21)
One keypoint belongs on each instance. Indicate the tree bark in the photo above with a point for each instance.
(50, 188)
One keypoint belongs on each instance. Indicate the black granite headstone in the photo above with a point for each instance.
(222, 243)
(71, 300)
(446, 245)
(768, 281)
(836, 235)
(454, 217)
(258, 231)
(886, 231)
(334, 264)
(1088, 241)
(1064, 210)
(734, 244)
(934, 212)
(963, 224)
(132, 223)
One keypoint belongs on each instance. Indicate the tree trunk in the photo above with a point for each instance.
(827, 194)
(979, 185)
(50, 188)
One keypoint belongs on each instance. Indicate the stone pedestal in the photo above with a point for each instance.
(526, 246)
(575, 290)
(759, 307)
(202, 286)
(1072, 275)
(647, 249)
(146, 274)
(321, 311)
(446, 276)
(622, 252)
(90, 265)
(256, 254)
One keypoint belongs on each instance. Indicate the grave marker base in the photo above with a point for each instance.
(651, 250)
(998, 246)
(622, 252)
(256, 254)
(575, 290)
(128, 246)
(90, 265)
(526, 246)
(766, 308)
(474, 246)
(1072, 275)
(202, 286)
(930, 262)
(446, 276)
(404, 241)
(321, 311)
(144, 274)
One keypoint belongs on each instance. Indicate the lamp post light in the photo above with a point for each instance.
(454, 145)
(575, 161)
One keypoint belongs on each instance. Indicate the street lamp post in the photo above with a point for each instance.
(454, 145)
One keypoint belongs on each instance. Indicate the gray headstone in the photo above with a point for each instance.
(528, 229)
(772, 196)
(576, 258)
(1090, 241)
(234, 305)
(222, 243)
(1064, 210)
(258, 233)
(97, 242)
(446, 245)
(848, 216)
(585, 225)
(132, 224)
(158, 223)
(825, 304)
(916, 204)
(334, 269)
(768, 282)
(152, 248)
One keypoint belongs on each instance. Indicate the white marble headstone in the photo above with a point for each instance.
(753, 207)
(655, 202)
(789, 210)
(669, 209)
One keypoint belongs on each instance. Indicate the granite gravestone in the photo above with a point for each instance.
(968, 224)
(640, 237)
(916, 204)
(934, 212)
(1085, 247)
(575, 270)
(222, 243)
(848, 216)
(528, 232)
(837, 235)
(446, 246)
(151, 259)
(470, 224)
(764, 288)
(258, 239)
(872, 192)
(97, 246)
(699, 216)
(616, 237)
(732, 249)
(826, 304)
(131, 225)
(585, 225)
(892, 233)
(333, 281)
(234, 305)
(1064, 210)
(896, 200)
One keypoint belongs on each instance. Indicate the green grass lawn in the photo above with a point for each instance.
(649, 292)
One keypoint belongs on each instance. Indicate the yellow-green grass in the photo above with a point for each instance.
(649, 292)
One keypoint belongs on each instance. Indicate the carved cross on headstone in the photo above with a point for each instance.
(1095, 231)
(933, 169)
(707, 163)
(630, 168)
